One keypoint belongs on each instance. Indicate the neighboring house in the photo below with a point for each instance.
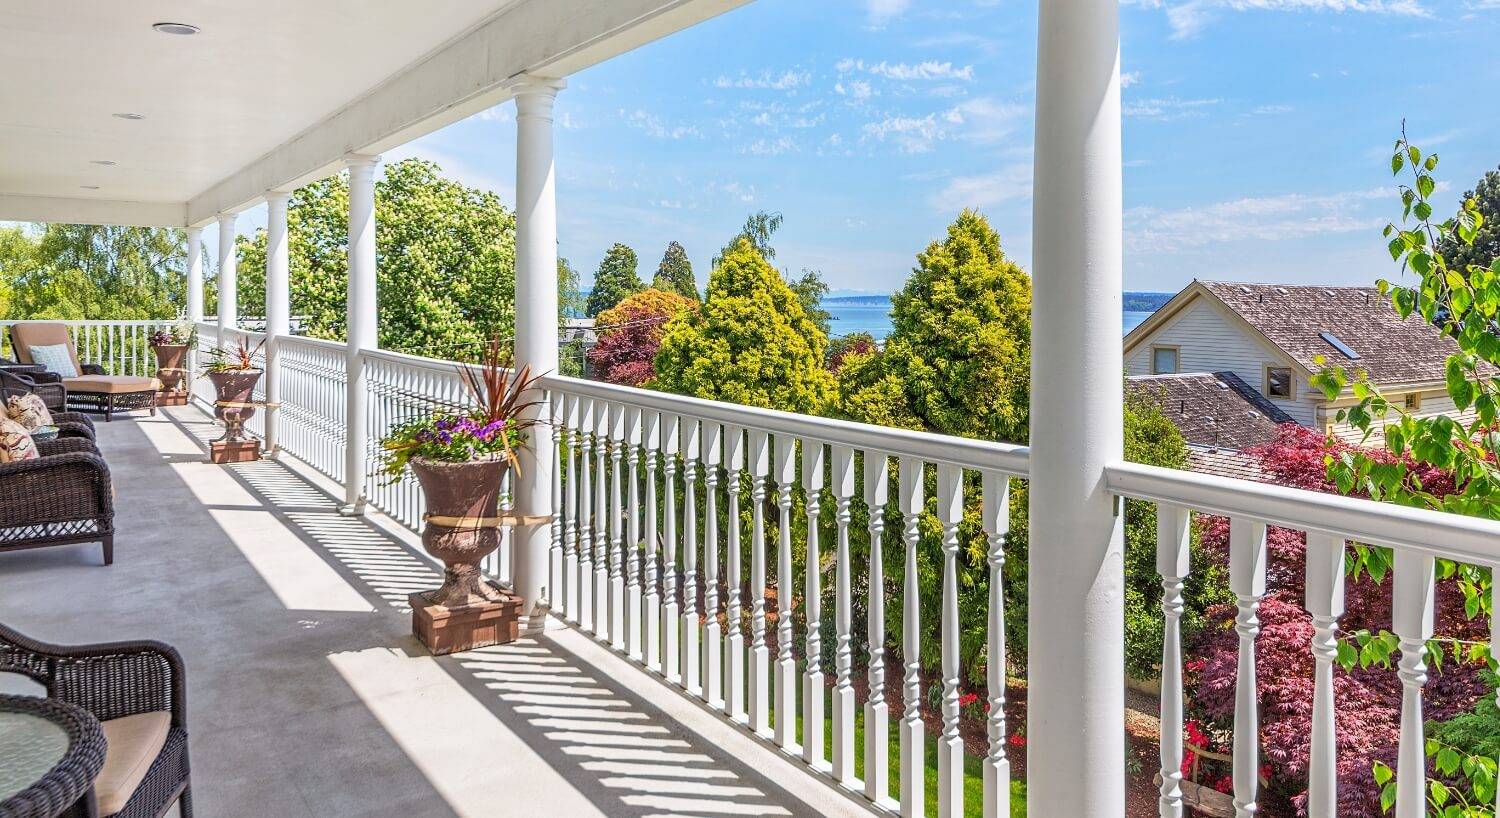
(1270, 336)
(1218, 414)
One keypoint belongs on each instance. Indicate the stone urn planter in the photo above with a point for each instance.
(170, 360)
(235, 400)
(462, 526)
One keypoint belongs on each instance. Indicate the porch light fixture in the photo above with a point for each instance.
(105, 162)
(175, 28)
(131, 117)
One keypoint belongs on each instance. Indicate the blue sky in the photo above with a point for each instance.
(1257, 133)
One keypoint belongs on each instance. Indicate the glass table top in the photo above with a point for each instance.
(30, 746)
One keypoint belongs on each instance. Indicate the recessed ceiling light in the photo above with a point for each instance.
(89, 187)
(102, 161)
(175, 28)
(131, 117)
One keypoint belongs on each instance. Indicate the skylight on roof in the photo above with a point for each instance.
(1333, 340)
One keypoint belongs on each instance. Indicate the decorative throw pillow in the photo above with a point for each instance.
(15, 442)
(55, 358)
(29, 411)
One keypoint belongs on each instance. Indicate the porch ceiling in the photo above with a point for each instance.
(268, 94)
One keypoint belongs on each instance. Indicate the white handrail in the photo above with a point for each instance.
(1007, 458)
(1440, 534)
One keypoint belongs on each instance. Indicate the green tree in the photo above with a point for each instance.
(82, 271)
(960, 349)
(751, 344)
(615, 280)
(675, 273)
(446, 272)
(810, 289)
(759, 227)
(1482, 251)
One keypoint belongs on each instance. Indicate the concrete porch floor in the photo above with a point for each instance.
(307, 694)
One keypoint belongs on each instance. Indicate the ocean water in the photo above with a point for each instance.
(850, 318)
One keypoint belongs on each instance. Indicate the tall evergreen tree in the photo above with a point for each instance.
(615, 280)
(752, 343)
(1486, 246)
(675, 273)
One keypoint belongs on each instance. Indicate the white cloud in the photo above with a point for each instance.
(654, 127)
(784, 81)
(981, 120)
(989, 120)
(504, 112)
(1167, 107)
(927, 70)
(854, 89)
(1265, 218)
(1129, 78)
(771, 147)
(1008, 184)
(1189, 18)
(882, 11)
(1270, 110)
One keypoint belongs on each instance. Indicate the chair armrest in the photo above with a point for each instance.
(92, 369)
(78, 418)
(46, 377)
(110, 680)
(67, 430)
(65, 445)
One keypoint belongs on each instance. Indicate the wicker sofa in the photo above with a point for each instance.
(137, 692)
(62, 497)
(91, 389)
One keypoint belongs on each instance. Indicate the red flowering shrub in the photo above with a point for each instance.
(1367, 701)
(630, 335)
(843, 347)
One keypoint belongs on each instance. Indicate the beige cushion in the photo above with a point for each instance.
(111, 384)
(15, 442)
(26, 334)
(29, 410)
(134, 743)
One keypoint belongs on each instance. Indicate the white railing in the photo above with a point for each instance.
(120, 347)
(1331, 522)
(637, 466)
(680, 524)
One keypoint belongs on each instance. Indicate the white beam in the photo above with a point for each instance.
(547, 38)
(77, 210)
(1076, 713)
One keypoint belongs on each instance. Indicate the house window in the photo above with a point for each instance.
(1413, 401)
(1164, 360)
(1278, 382)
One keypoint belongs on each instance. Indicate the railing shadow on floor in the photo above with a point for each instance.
(623, 754)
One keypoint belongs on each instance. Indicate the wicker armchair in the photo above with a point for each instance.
(62, 497)
(124, 685)
(49, 387)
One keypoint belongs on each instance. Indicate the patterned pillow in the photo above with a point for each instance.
(29, 411)
(15, 442)
(55, 358)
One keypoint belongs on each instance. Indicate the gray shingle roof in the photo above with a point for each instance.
(1213, 409)
(1295, 317)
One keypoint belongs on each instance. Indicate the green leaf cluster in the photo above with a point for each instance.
(615, 280)
(675, 273)
(84, 272)
(446, 269)
(752, 343)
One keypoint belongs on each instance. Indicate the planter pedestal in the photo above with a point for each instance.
(451, 630)
(171, 398)
(234, 451)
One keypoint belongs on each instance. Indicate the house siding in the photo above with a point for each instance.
(1209, 341)
(1434, 402)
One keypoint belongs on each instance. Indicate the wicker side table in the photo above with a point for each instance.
(50, 753)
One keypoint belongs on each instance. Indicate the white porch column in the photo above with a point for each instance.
(195, 274)
(229, 313)
(278, 307)
(1076, 575)
(362, 327)
(536, 331)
